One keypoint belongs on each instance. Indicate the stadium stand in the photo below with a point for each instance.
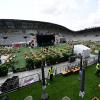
(11, 39)
(15, 30)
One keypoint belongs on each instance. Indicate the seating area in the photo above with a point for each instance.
(86, 37)
(70, 71)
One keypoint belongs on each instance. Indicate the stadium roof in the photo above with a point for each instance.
(29, 24)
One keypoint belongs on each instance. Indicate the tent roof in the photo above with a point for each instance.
(81, 47)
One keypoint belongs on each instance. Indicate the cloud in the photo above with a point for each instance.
(73, 14)
(93, 19)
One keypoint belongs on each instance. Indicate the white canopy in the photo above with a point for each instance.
(83, 50)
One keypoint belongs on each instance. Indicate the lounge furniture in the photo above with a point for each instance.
(70, 71)
(67, 72)
(75, 69)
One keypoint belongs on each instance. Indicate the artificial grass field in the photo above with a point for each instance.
(62, 86)
(20, 53)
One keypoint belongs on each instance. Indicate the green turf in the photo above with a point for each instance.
(62, 86)
(20, 53)
(20, 56)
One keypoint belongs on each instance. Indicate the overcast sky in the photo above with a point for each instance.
(73, 14)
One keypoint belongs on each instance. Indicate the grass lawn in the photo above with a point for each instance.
(62, 86)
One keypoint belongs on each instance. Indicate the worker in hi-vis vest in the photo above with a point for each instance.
(97, 69)
(51, 71)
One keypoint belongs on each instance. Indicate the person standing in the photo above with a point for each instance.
(51, 73)
(98, 69)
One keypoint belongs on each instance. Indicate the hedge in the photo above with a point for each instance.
(3, 70)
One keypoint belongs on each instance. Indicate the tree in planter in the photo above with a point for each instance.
(52, 60)
(49, 59)
(3, 70)
(55, 59)
(29, 63)
(66, 56)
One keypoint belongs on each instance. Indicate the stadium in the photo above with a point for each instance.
(29, 48)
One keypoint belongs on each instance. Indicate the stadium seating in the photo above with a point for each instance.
(11, 39)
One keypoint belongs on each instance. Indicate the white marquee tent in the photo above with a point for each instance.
(83, 50)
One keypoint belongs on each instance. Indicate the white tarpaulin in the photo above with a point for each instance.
(83, 50)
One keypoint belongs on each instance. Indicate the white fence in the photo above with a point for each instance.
(57, 70)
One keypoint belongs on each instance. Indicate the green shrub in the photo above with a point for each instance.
(3, 70)
(29, 63)
(66, 56)
(50, 59)
(20, 69)
(57, 59)
(37, 63)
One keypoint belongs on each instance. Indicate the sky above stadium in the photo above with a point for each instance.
(73, 14)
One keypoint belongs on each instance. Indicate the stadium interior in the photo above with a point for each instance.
(25, 44)
(13, 31)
